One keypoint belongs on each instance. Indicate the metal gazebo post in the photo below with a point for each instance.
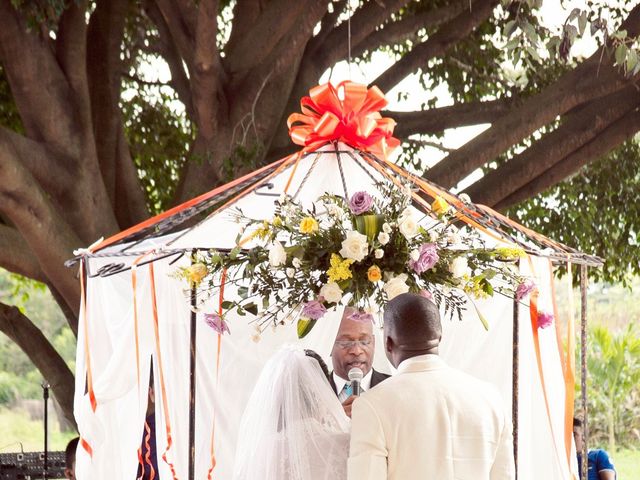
(583, 368)
(192, 382)
(515, 379)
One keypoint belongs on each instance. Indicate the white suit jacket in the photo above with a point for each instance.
(430, 421)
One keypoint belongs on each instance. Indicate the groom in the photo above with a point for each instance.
(353, 348)
(429, 421)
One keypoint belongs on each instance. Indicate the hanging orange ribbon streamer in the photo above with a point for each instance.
(154, 304)
(223, 280)
(353, 117)
(92, 396)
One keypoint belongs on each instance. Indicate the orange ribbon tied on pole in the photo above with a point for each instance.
(350, 113)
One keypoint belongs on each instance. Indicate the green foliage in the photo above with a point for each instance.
(9, 116)
(613, 386)
(19, 379)
(160, 138)
(596, 211)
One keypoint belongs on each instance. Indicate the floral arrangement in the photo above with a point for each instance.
(360, 252)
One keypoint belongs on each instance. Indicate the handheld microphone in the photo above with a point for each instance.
(355, 377)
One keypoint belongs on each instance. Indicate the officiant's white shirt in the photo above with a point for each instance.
(430, 421)
(340, 382)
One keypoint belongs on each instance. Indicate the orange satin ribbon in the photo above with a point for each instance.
(533, 311)
(87, 356)
(223, 280)
(163, 388)
(353, 117)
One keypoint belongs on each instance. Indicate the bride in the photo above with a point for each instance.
(294, 427)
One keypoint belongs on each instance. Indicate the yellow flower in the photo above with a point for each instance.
(308, 225)
(374, 273)
(277, 222)
(440, 206)
(509, 253)
(195, 273)
(339, 269)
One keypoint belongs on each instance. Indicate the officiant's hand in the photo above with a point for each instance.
(347, 405)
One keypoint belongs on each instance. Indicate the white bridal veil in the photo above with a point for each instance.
(294, 427)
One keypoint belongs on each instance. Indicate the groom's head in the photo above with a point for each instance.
(353, 347)
(411, 327)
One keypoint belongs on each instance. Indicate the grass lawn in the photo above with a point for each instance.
(627, 463)
(15, 427)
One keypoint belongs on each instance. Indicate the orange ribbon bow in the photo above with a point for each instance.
(355, 119)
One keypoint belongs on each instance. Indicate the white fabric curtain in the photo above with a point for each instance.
(114, 431)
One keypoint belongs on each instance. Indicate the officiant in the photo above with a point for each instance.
(353, 347)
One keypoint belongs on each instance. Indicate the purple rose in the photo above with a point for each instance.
(360, 202)
(524, 289)
(217, 323)
(362, 317)
(545, 319)
(313, 310)
(427, 259)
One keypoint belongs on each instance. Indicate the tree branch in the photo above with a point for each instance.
(594, 78)
(407, 28)
(436, 120)
(168, 50)
(181, 36)
(447, 36)
(105, 33)
(621, 130)
(279, 18)
(71, 52)
(207, 73)
(16, 256)
(46, 232)
(51, 171)
(364, 21)
(328, 23)
(39, 88)
(245, 16)
(577, 129)
(46, 359)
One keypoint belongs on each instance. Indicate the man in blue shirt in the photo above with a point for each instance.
(600, 465)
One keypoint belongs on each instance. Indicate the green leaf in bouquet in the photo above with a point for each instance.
(481, 317)
(304, 326)
(233, 254)
(369, 225)
(243, 292)
(227, 305)
(252, 308)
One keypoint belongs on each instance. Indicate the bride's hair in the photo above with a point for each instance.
(323, 365)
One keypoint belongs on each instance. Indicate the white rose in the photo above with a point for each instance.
(454, 237)
(334, 210)
(290, 272)
(331, 292)
(415, 255)
(459, 267)
(396, 286)
(296, 262)
(378, 253)
(355, 246)
(386, 228)
(433, 236)
(383, 238)
(407, 224)
(277, 255)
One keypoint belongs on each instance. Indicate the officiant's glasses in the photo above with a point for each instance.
(349, 344)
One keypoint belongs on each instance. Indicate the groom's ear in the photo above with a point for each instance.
(388, 344)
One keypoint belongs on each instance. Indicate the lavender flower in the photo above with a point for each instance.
(524, 289)
(217, 323)
(358, 316)
(360, 203)
(545, 319)
(313, 310)
(427, 258)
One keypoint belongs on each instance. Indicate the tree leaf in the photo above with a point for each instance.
(621, 54)
(632, 60)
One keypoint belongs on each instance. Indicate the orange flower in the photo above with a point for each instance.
(374, 273)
